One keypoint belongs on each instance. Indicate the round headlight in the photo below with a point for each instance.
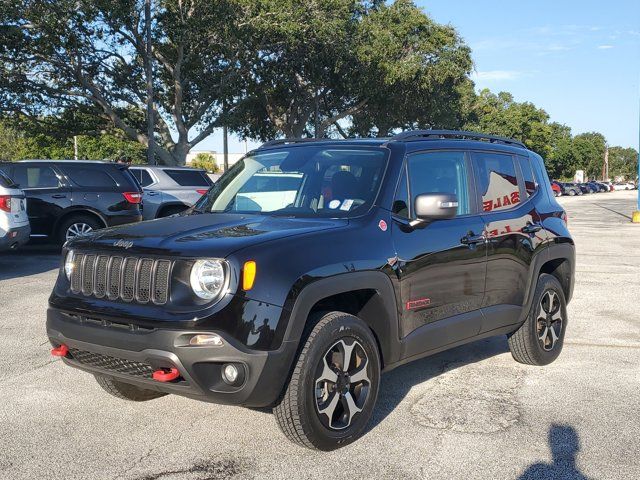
(69, 264)
(207, 278)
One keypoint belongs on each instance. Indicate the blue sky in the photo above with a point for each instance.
(577, 59)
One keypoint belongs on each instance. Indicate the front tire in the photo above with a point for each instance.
(125, 391)
(539, 339)
(332, 392)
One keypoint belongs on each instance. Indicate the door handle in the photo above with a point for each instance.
(472, 239)
(531, 228)
(58, 195)
(151, 193)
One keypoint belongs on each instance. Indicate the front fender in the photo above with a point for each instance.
(380, 312)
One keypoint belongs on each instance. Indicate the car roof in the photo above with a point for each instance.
(167, 167)
(433, 138)
(78, 162)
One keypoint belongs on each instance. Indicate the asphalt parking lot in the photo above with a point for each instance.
(468, 413)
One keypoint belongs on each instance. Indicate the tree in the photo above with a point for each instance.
(50, 137)
(560, 161)
(623, 162)
(206, 161)
(319, 64)
(501, 115)
(588, 151)
(72, 53)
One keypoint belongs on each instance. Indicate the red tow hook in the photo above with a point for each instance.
(60, 351)
(163, 375)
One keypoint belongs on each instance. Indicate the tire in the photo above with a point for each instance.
(125, 391)
(317, 413)
(572, 193)
(527, 344)
(85, 223)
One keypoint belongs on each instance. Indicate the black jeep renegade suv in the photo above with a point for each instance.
(313, 266)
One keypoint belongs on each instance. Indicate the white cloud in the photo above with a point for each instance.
(605, 47)
(496, 75)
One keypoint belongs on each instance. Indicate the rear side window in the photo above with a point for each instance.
(89, 177)
(497, 181)
(439, 172)
(35, 177)
(530, 183)
(5, 181)
(143, 176)
(189, 178)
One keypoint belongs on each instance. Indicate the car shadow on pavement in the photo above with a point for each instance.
(565, 445)
(29, 260)
(396, 384)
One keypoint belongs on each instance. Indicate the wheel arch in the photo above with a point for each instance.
(168, 205)
(557, 260)
(368, 295)
(77, 211)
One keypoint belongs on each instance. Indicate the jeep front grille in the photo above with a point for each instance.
(142, 280)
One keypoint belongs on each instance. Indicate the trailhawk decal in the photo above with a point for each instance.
(418, 303)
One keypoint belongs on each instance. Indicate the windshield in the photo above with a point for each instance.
(300, 181)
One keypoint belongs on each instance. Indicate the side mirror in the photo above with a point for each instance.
(436, 206)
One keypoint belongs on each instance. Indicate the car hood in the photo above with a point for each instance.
(216, 235)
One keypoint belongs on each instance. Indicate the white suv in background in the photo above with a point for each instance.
(14, 223)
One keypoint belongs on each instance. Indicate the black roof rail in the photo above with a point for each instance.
(285, 141)
(454, 134)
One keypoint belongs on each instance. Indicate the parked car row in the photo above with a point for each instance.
(572, 189)
(58, 200)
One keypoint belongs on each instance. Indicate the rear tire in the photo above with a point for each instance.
(77, 225)
(125, 391)
(329, 401)
(572, 193)
(539, 339)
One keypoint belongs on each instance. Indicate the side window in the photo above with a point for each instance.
(440, 172)
(143, 177)
(136, 173)
(401, 200)
(5, 181)
(35, 177)
(497, 181)
(530, 183)
(189, 178)
(88, 177)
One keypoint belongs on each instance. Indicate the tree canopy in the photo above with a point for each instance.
(262, 68)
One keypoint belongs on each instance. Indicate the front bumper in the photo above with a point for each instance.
(17, 236)
(130, 354)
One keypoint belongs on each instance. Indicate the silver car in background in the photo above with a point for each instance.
(169, 190)
(14, 222)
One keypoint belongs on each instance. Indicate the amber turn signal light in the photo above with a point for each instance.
(248, 275)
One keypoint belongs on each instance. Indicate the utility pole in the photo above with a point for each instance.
(225, 147)
(75, 147)
(605, 166)
(149, 74)
(635, 218)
